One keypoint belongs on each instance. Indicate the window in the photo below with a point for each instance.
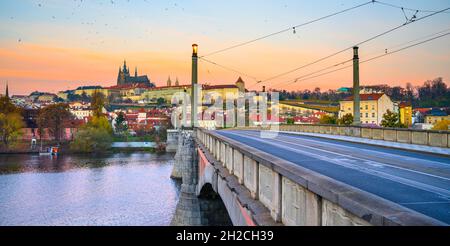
(373, 115)
(367, 107)
(367, 115)
(373, 107)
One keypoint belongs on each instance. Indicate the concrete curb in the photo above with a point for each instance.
(379, 143)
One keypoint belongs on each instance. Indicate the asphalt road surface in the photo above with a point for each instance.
(415, 180)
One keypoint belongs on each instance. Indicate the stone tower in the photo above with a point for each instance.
(169, 82)
(241, 85)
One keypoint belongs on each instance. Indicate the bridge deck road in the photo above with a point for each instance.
(415, 180)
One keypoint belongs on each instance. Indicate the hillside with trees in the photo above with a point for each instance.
(432, 93)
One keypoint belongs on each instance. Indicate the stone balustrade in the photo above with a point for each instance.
(401, 135)
(298, 196)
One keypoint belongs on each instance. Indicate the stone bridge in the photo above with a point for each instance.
(225, 182)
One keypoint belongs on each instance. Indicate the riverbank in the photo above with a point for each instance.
(64, 148)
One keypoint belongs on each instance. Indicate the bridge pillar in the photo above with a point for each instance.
(187, 212)
(182, 137)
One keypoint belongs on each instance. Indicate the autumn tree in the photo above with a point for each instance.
(442, 125)
(53, 117)
(346, 120)
(97, 103)
(328, 120)
(11, 121)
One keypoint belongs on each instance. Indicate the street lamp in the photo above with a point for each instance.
(194, 50)
(194, 82)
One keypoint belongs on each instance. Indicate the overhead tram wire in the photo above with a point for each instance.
(404, 8)
(412, 41)
(228, 68)
(376, 57)
(351, 47)
(344, 62)
(318, 71)
(287, 29)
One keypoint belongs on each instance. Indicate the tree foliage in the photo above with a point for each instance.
(91, 140)
(161, 101)
(97, 103)
(328, 120)
(10, 125)
(53, 118)
(11, 121)
(346, 120)
(390, 119)
(432, 93)
(120, 124)
(442, 125)
(93, 137)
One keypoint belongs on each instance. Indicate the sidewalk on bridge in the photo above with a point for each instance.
(382, 143)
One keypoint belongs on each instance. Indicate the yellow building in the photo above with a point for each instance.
(46, 97)
(405, 113)
(287, 107)
(372, 107)
(433, 119)
(90, 90)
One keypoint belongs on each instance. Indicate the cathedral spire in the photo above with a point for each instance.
(169, 82)
(177, 83)
(125, 66)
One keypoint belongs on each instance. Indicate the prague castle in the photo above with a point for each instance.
(124, 77)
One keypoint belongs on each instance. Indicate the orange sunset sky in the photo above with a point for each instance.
(58, 45)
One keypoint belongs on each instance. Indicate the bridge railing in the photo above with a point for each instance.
(298, 196)
(401, 135)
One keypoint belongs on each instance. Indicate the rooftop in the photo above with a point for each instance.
(366, 97)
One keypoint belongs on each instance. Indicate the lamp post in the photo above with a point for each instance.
(194, 95)
(356, 97)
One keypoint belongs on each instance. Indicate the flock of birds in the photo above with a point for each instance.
(97, 27)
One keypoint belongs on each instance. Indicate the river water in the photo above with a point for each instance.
(116, 189)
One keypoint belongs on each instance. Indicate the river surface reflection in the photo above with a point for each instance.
(116, 189)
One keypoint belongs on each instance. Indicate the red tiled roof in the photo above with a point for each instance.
(366, 97)
(422, 110)
(130, 86)
(212, 87)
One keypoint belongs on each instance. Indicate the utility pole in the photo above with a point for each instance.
(356, 90)
(194, 90)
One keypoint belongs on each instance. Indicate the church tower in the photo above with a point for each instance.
(120, 77)
(169, 82)
(177, 83)
(241, 85)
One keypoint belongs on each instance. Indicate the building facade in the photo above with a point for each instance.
(406, 114)
(372, 106)
(435, 115)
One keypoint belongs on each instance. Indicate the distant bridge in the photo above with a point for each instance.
(304, 177)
